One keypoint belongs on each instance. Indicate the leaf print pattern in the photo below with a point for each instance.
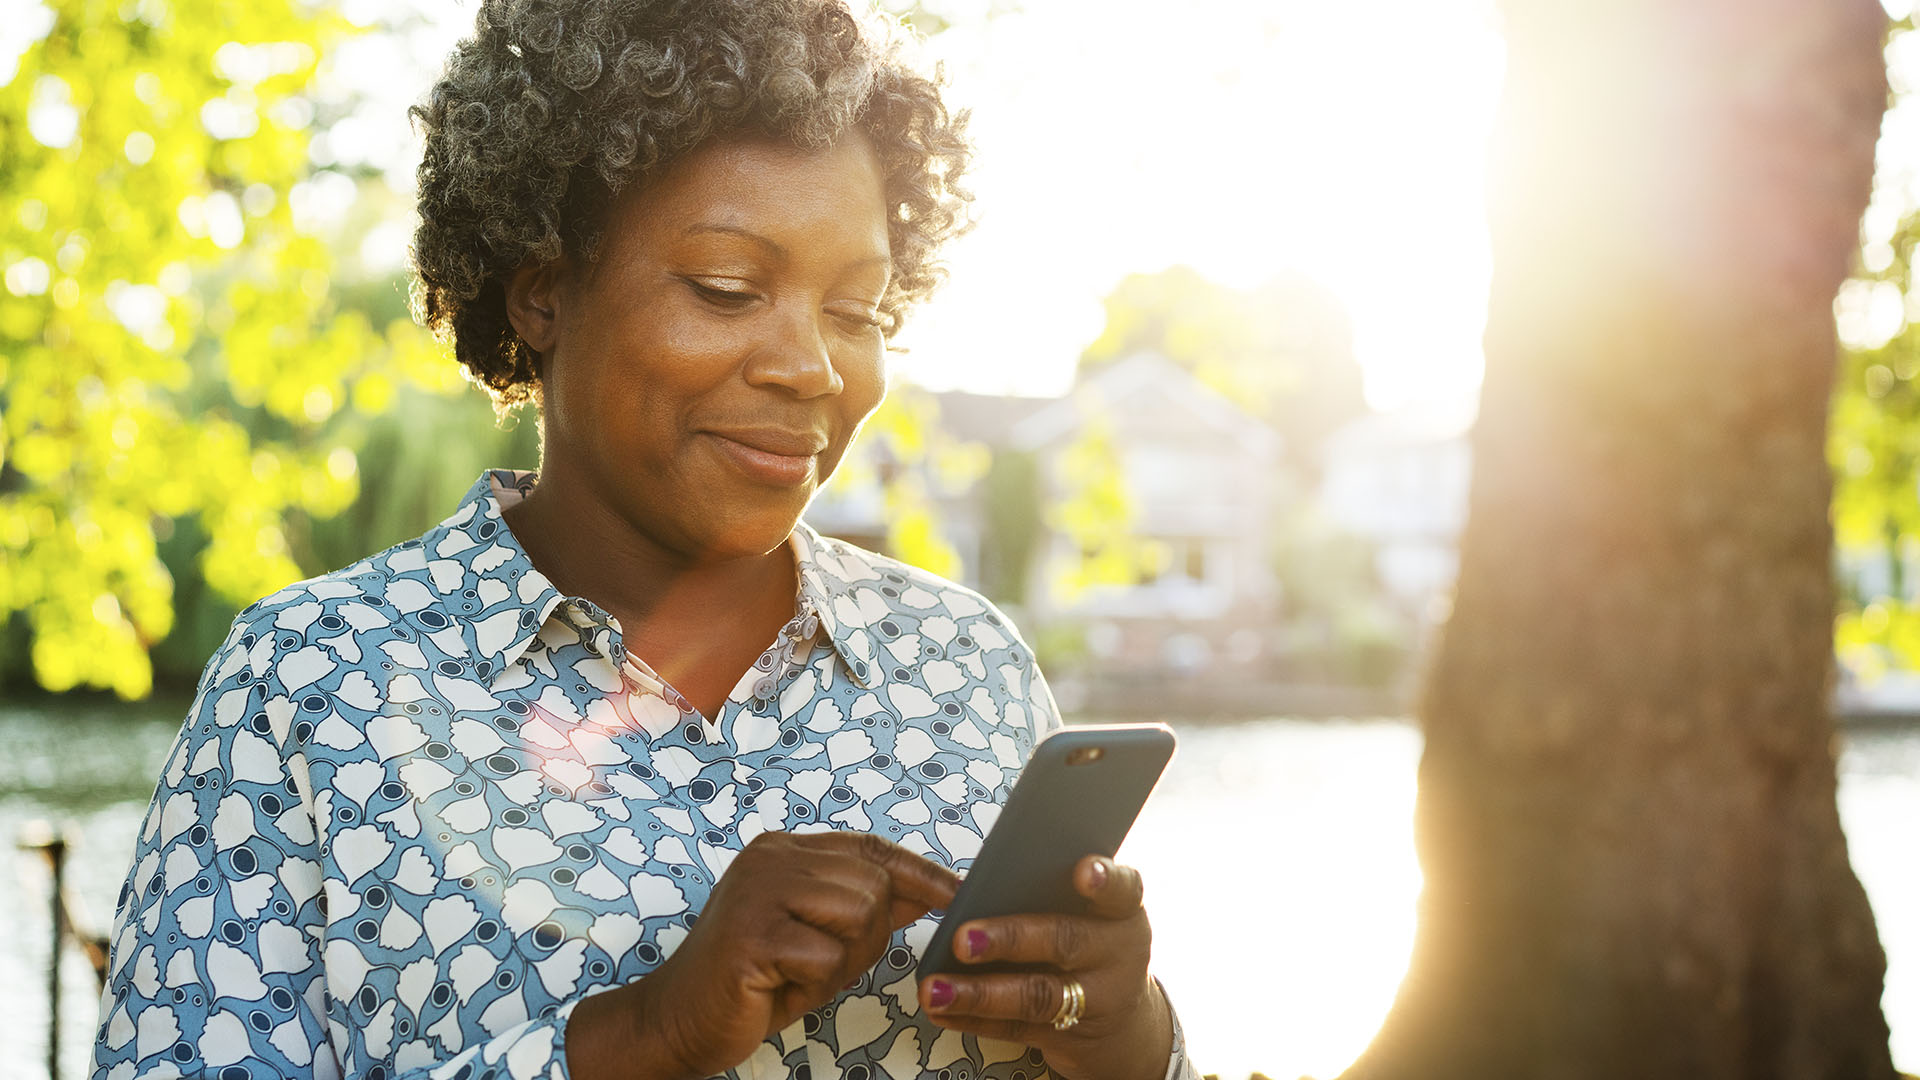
(423, 805)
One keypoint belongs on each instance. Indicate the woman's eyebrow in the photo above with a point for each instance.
(773, 247)
(735, 230)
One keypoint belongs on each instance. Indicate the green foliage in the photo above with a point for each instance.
(1059, 645)
(1092, 507)
(1874, 447)
(1324, 574)
(1341, 624)
(429, 447)
(1013, 528)
(1283, 351)
(171, 346)
(915, 458)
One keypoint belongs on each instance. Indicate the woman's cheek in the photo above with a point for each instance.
(866, 388)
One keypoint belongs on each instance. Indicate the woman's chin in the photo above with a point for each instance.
(749, 535)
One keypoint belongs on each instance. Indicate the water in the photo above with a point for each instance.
(1284, 938)
(1278, 856)
(94, 772)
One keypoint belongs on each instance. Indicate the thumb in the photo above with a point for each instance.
(1115, 890)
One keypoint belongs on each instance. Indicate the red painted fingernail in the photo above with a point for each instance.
(940, 994)
(1099, 873)
(976, 943)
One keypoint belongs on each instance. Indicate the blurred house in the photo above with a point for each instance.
(1201, 480)
(1200, 476)
(1190, 612)
(1399, 482)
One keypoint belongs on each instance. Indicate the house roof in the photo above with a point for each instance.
(1173, 391)
(986, 418)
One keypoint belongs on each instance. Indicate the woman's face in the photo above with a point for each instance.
(706, 375)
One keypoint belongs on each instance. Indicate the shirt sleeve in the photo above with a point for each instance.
(1045, 713)
(218, 967)
(1178, 1065)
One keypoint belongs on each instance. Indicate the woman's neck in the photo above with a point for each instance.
(698, 623)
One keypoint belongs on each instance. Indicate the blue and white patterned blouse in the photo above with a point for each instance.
(423, 805)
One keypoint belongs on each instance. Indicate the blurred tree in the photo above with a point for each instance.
(170, 345)
(1013, 495)
(1341, 621)
(1626, 820)
(904, 443)
(1087, 501)
(1283, 351)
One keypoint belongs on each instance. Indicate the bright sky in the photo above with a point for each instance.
(1244, 137)
(1870, 314)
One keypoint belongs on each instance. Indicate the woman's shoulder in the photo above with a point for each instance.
(412, 620)
(927, 632)
(875, 587)
(368, 595)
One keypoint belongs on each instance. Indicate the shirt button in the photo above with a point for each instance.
(809, 626)
(763, 686)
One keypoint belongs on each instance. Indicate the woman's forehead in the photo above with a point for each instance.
(764, 191)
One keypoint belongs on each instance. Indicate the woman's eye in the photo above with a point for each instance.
(730, 299)
(860, 320)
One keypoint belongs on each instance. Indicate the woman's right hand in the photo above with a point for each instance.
(795, 918)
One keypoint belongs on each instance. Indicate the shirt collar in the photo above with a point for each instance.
(829, 574)
(514, 600)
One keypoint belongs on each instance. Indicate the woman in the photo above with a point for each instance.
(452, 811)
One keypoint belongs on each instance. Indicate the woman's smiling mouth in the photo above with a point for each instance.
(773, 456)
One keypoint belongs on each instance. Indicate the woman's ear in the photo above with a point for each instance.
(533, 303)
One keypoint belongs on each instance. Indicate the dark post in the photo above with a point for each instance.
(43, 837)
(57, 856)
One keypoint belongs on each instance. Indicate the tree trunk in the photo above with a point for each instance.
(1634, 864)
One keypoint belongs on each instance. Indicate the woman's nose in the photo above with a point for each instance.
(798, 359)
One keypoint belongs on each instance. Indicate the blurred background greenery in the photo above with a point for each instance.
(190, 380)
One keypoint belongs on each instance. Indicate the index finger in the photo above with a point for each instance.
(912, 877)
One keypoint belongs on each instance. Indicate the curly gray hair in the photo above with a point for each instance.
(552, 107)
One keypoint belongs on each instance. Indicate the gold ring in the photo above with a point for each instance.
(1073, 1002)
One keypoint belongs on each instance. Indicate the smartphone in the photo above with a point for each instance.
(1077, 796)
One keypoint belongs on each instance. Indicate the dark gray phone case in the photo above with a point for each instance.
(1057, 814)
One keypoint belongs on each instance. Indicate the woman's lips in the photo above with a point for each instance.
(786, 463)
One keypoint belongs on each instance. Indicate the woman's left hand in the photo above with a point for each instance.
(1125, 1030)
